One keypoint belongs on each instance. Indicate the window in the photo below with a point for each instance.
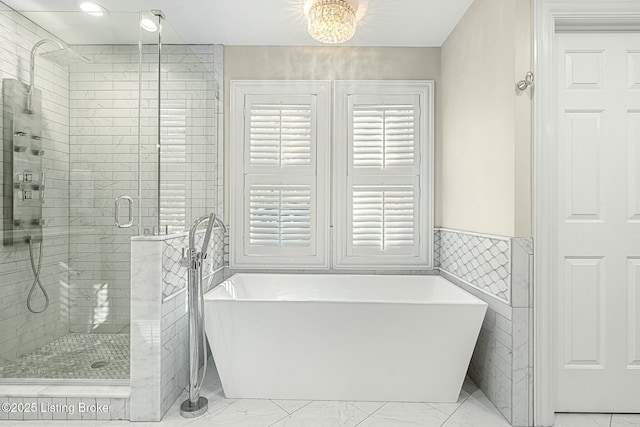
(382, 197)
(280, 143)
(383, 174)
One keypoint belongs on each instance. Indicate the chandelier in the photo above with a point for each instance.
(332, 21)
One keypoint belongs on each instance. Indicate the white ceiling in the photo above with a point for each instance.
(252, 22)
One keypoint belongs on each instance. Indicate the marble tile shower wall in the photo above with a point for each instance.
(20, 330)
(497, 270)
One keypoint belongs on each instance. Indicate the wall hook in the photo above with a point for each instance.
(524, 84)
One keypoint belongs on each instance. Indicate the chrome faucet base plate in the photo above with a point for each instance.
(191, 410)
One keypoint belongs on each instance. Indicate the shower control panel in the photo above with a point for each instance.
(23, 175)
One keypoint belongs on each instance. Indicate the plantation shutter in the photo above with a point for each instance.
(282, 189)
(173, 164)
(280, 215)
(384, 136)
(280, 135)
(382, 218)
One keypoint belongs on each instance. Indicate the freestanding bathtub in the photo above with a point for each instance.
(342, 337)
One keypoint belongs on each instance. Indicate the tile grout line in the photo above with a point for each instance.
(303, 406)
(442, 412)
(288, 413)
(456, 410)
(271, 400)
(371, 414)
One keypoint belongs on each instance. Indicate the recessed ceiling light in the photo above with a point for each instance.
(92, 8)
(149, 25)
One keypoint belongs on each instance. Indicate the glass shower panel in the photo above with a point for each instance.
(188, 136)
(90, 144)
(103, 186)
(149, 84)
(186, 107)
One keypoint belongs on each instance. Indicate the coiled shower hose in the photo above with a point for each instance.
(36, 279)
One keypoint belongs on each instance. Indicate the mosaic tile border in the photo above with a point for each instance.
(482, 261)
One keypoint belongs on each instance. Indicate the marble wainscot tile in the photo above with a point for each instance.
(521, 376)
(174, 275)
(521, 271)
(146, 329)
(482, 261)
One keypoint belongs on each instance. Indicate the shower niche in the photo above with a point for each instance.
(23, 175)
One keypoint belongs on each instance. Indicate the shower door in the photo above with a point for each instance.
(103, 186)
(91, 157)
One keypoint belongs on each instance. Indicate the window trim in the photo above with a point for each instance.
(240, 89)
(342, 89)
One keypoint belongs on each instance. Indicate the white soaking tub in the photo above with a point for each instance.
(342, 337)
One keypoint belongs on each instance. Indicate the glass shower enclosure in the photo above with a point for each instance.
(116, 137)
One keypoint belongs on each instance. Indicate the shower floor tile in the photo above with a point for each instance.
(72, 356)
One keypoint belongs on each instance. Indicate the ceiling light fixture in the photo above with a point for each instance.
(332, 21)
(92, 8)
(148, 25)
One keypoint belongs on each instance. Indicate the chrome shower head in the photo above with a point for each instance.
(61, 56)
(64, 57)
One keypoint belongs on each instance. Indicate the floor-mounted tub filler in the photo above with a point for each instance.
(342, 337)
(192, 259)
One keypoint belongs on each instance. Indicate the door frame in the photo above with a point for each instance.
(583, 15)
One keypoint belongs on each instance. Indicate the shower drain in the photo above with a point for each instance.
(99, 364)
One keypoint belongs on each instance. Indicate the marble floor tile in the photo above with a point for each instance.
(405, 414)
(291, 406)
(368, 407)
(56, 423)
(243, 413)
(450, 408)
(583, 420)
(476, 411)
(625, 420)
(324, 414)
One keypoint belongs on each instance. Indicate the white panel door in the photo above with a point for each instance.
(597, 268)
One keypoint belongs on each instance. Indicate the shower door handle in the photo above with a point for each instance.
(116, 212)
